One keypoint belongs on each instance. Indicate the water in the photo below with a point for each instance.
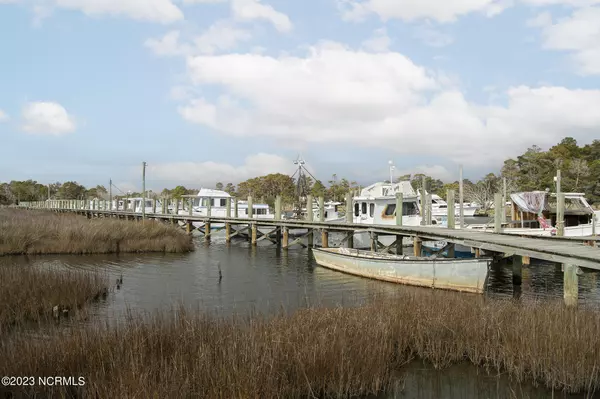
(267, 279)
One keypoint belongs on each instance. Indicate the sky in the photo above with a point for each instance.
(224, 90)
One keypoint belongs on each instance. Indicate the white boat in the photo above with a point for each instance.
(218, 207)
(439, 207)
(535, 215)
(376, 205)
(468, 275)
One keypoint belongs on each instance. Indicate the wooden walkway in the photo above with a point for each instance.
(575, 251)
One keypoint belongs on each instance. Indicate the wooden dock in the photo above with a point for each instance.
(572, 252)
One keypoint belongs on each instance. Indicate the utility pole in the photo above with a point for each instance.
(110, 194)
(143, 190)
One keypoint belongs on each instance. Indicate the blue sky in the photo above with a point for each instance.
(223, 90)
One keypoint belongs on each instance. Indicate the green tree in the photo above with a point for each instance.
(219, 186)
(71, 190)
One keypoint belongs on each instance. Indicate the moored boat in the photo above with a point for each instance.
(467, 275)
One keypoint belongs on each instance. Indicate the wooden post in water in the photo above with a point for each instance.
(498, 209)
(154, 206)
(517, 270)
(571, 284)
(461, 215)
(250, 207)
(190, 207)
(207, 224)
(286, 238)
(560, 214)
(235, 208)
(227, 224)
(349, 219)
(374, 241)
(417, 246)
(399, 214)
(324, 238)
(176, 206)
(228, 208)
(477, 253)
(189, 227)
(254, 228)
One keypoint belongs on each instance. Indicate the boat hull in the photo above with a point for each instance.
(466, 275)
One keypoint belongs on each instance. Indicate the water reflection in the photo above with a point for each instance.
(239, 277)
(463, 381)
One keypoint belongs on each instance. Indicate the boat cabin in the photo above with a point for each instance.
(376, 204)
(527, 206)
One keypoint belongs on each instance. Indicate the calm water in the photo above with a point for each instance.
(266, 279)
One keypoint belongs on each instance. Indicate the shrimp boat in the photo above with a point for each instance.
(466, 275)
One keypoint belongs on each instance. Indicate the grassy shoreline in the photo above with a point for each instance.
(328, 352)
(28, 294)
(28, 232)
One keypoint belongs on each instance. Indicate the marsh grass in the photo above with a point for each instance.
(319, 352)
(28, 294)
(39, 232)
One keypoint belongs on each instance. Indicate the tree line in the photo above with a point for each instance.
(533, 170)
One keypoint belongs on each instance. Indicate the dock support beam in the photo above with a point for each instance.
(417, 246)
(228, 231)
(517, 270)
(477, 253)
(189, 227)
(254, 233)
(286, 238)
(324, 238)
(571, 284)
(374, 242)
(207, 231)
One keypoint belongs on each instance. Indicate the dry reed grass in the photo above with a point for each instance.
(28, 294)
(338, 352)
(38, 232)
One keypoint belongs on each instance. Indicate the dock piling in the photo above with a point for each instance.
(560, 214)
(571, 284)
(498, 209)
(517, 270)
(349, 219)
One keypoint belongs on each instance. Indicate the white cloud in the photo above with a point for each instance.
(204, 1)
(379, 42)
(410, 10)
(222, 35)
(3, 116)
(168, 45)
(247, 10)
(47, 118)
(380, 100)
(197, 174)
(580, 34)
(570, 3)
(432, 37)
(541, 20)
(162, 11)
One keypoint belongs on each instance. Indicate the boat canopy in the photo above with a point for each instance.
(537, 202)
